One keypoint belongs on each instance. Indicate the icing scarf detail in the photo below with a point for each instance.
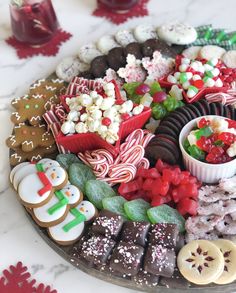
(79, 218)
(62, 201)
(45, 181)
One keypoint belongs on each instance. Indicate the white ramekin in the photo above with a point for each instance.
(208, 173)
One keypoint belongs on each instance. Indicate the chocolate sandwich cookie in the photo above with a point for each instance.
(213, 108)
(200, 107)
(206, 105)
(231, 112)
(220, 109)
(116, 58)
(171, 126)
(167, 138)
(99, 66)
(179, 116)
(166, 130)
(194, 109)
(152, 45)
(185, 112)
(174, 121)
(133, 49)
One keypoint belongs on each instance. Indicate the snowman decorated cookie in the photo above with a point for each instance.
(36, 189)
(56, 210)
(71, 229)
(24, 169)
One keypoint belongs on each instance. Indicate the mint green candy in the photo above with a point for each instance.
(166, 214)
(79, 174)
(136, 210)
(183, 77)
(65, 160)
(96, 191)
(115, 204)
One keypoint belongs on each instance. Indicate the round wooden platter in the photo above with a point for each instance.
(64, 252)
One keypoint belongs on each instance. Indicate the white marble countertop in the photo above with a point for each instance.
(18, 239)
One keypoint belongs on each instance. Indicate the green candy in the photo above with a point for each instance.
(158, 111)
(115, 204)
(196, 153)
(183, 77)
(186, 144)
(96, 191)
(205, 131)
(166, 214)
(130, 89)
(170, 104)
(155, 87)
(136, 210)
(79, 174)
(65, 160)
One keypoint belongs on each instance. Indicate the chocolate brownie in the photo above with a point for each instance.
(164, 234)
(135, 232)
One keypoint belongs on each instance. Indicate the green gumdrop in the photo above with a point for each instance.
(158, 111)
(205, 131)
(96, 191)
(136, 210)
(166, 214)
(170, 104)
(186, 144)
(79, 174)
(130, 89)
(115, 204)
(65, 160)
(155, 87)
(196, 152)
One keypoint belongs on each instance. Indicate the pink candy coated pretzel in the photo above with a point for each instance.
(123, 168)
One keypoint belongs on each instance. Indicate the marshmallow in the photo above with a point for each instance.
(138, 109)
(68, 127)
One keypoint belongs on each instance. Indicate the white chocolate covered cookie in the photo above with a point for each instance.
(143, 32)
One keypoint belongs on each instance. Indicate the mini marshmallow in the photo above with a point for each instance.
(192, 91)
(93, 94)
(209, 82)
(177, 75)
(213, 62)
(138, 109)
(81, 127)
(218, 82)
(208, 67)
(186, 85)
(185, 61)
(68, 127)
(183, 67)
(215, 72)
(196, 77)
(189, 75)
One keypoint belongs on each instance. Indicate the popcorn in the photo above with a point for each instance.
(73, 115)
(138, 109)
(96, 114)
(73, 103)
(109, 87)
(102, 129)
(81, 127)
(68, 127)
(93, 94)
(114, 128)
(110, 113)
(85, 100)
(107, 103)
(93, 124)
(83, 117)
(126, 107)
(98, 100)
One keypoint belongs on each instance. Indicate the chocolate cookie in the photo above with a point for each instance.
(167, 138)
(116, 58)
(99, 66)
(231, 112)
(174, 121)
(134, 49)
(201, 108)
(166, 130)
(213, 109)
(171, 126)
(180, 117)
(220, 109)
(152, 45)
(206, 105)
(194, 109)
(185, 112)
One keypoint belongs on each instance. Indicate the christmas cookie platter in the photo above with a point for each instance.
(124, 159)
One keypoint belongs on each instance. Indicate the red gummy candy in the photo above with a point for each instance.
(203, 122)
(160, 187)
(198, 83)
(187, 206)
(227, 137)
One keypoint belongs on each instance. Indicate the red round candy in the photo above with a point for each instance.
(198, 83)
(125, 116)
(142, 89)
(106, 121)
(159, 97)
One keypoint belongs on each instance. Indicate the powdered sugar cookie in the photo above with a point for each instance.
(70, 67)
(192, 52)
(229, 59)
(88, 52)
(106, 43)
(36, 189)
(124, 37)
(55, 211)
(71, 229)
(210, 51)
(177, 33)
(30, 168)
(144, 32)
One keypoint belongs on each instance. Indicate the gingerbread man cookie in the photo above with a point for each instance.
(28, 109)
(36, 189)
(56, 210)
(71, 229)
(30, 137)
(18, 156)
(49, 89)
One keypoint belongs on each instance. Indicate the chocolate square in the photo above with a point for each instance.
(159, 261)
(126, 258)
(176, 281)
(143, 278)
(135, 232)
(108, 224)
(96, 250)
(164, 234)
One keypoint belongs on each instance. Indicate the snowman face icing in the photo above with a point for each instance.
(56, 175)
(87, 209)
(72, 193)
(50, 163)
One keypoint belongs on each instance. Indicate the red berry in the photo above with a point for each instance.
(106, 121)
(142, 89)
(159, 97)
(125, 116)
(203, 122)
